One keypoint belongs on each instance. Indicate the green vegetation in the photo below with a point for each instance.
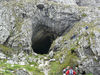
(6, 50)
(6, 73)
(56, 67)
(71, 59)
(7, 68)
(99, 8)
(73, 45)
(83, 15)
(89, 74)
(72, 49)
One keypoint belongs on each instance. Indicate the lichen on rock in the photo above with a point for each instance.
(44, 36)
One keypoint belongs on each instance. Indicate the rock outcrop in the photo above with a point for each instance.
(26, 24)
(67, 31)
(83, 40)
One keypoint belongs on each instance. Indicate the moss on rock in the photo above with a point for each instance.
(6, 50)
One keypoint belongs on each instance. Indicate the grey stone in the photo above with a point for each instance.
(4, 34)
(51, 53)
(68, 2)
(21, 72)
(52, 60)
(23, 25)
(2, 56)
(21, 63)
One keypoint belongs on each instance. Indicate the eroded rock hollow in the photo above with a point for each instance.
(42, 40)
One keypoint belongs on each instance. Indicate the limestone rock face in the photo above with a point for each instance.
(23, 24)
(58, 28)
(68, 2)
(83, 40)
(4, 34)
(88, 2)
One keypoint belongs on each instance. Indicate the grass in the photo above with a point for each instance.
(89, 74)
(6, 73)
(56, 67)
(7, 68)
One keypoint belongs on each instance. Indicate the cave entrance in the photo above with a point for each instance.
(42, 45)
(42, 41)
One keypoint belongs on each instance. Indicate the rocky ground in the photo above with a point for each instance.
(41, 37)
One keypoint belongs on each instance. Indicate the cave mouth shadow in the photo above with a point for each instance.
(42, 45)
(42, 40)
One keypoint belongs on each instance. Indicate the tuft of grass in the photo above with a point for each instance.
(83, 15)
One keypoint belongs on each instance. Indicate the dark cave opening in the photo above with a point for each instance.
(42, 40)
(42, 45)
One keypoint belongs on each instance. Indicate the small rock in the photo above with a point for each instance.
(10, 62)
(51, 54)
(21, 72)
(52, 60)
(12, 65)
(22, 63)
(46, 63)
(2, 56)
(31, 65)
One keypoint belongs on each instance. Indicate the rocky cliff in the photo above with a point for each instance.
(46, 35)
